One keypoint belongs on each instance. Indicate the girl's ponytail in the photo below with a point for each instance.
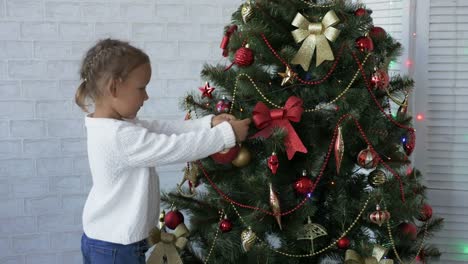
(81, 96)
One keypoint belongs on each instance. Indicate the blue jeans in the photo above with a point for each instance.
(101, 252)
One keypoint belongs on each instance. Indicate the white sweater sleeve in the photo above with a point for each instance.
(143, 148)
(169, 127)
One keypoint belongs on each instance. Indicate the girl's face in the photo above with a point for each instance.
(131, 93)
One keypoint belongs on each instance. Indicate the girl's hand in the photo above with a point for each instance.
(221, 118)
(241, 128)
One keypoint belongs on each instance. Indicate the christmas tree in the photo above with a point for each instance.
(325, 176)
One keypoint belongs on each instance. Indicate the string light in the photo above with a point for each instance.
(409, 63)
(420, 117)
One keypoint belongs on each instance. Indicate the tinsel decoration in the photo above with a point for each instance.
(311, 231)
(315, 36)
(275, 205)
(248, 238)
(339, 150)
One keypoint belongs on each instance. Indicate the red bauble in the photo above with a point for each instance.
(360, 12)
(244, 57)
(303, 185)
(367, 159)
(380, 79)
(225, 225)
(343, 243)
(226, 156)
(365, 44)
(173, 219)
(223, 106)
(377, 33)
(408, 230)
(426, 213)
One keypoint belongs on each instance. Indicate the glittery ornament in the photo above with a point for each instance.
(207, 90)
(275, 205)
(367, 159)
(248, 238)
(376, 178)
(223, 106)
(273, 163)
(247, 11)
(364, 44)
(379, 217)
(288, 76)
(244, 57)
(339, 150)
(426, 213)
(303, 185)
(380, 79)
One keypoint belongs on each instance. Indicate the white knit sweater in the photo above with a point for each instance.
(123, 204)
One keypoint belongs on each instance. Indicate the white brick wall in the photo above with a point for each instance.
(44, 174)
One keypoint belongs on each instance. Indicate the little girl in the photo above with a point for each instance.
(123, 204)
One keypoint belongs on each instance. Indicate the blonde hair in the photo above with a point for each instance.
(107, 59)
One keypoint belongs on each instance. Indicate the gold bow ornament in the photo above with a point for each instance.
(167, 245)
(314, 35)
(378, 252)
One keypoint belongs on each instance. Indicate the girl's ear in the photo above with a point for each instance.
(112, 86)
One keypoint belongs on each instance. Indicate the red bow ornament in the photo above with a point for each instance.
(266, 120)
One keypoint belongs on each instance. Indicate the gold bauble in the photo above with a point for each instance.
(247, 11)
(248, 238)
(243, 158)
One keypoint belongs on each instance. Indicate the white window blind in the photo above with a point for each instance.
(447, 124)
(434, 35)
